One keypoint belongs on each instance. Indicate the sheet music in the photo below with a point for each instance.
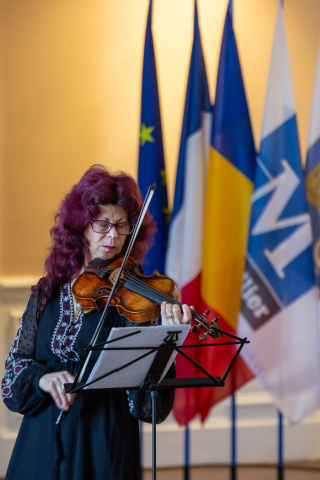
(133, 375)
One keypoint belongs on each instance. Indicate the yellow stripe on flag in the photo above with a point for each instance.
(227, 215)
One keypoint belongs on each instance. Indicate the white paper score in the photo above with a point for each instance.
(133, 375)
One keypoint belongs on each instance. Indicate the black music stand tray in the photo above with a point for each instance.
(151, 381)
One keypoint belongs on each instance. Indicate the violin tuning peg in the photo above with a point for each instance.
(203, 336)
(215, 320)
(206, 313)
(195, 328)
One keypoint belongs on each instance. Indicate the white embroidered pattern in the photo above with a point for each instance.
(66, 330)
(14, 366)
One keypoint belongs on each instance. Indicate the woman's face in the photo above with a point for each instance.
(105, 245)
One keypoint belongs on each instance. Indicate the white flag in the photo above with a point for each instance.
(279, 305)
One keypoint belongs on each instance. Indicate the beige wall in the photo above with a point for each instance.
(70, 79)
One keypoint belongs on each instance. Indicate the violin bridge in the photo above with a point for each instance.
(114, 275)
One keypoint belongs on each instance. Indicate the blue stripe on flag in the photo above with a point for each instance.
(232, 134)
(197, 101)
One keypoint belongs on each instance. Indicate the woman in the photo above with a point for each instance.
(99, 438)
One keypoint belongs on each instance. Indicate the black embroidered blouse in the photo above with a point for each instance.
(100, 436)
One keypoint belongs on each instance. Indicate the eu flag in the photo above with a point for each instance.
(151, 157)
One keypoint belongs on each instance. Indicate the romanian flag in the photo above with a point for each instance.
(151, 157)
(227, 215)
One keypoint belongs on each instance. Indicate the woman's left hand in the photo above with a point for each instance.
(171, 314)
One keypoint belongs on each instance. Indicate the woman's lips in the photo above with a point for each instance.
(108, 247)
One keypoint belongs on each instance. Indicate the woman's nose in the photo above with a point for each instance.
(113, 232)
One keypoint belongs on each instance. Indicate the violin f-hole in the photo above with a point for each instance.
(107, 289)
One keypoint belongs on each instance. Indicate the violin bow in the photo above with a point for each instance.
(88, 351)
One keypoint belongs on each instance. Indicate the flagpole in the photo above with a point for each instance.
(233, 438)
(280, 446)
(186, 453)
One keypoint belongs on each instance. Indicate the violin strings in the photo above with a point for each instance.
(164, 297)
(149, 288)
(161, 295)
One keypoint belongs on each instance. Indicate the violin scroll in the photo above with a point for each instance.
(209, 330)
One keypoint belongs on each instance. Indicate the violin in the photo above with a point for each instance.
(138, 297)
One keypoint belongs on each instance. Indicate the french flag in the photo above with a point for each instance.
(185, 246)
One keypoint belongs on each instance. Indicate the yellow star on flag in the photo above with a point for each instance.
(145, 134)
(164, 177)
(167, 213)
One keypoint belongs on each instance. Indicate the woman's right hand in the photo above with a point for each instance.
(53, 384)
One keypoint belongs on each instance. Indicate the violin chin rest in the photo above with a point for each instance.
(101, 262)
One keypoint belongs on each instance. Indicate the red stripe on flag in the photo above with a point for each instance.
(186, 402)
(189, 402)
(216, 360)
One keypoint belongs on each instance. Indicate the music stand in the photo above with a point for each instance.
(152, 381)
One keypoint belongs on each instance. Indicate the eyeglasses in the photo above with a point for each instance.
(103, 226)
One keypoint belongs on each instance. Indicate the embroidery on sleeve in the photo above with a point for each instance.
(66, 330)
(14, 366)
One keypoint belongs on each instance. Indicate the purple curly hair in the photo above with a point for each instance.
(97, 187)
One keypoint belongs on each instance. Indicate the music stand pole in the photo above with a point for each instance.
(154, 394)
